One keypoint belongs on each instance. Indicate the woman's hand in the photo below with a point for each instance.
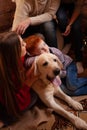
(67, 31)
(23, 26)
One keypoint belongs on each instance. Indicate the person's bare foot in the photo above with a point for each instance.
(80, 68)
(66, 48)
(84, 74)
(1, 124)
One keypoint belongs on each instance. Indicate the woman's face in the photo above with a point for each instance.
(23, 47)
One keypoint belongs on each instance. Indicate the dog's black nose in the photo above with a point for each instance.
(56, 72)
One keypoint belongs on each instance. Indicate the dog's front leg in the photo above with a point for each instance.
(59, 93)
(50, 102)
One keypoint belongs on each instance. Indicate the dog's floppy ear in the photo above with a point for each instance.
(36, 71)
(60, 63)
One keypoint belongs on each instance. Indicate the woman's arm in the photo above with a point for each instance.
(47, 15)
(76, 12)
(74, 16)
(24, 16)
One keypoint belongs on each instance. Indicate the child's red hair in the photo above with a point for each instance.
(32, 43)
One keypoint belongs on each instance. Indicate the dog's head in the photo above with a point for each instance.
(48, 65)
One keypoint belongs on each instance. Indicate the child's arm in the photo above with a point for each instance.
(28, 62)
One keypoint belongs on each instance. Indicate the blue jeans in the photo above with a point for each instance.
(74, 86)
(48, 29)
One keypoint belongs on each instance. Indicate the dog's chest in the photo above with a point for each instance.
(40, 87)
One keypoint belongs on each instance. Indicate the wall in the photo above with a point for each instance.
(7, 8)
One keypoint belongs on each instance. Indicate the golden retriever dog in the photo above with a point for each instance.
(49, 66)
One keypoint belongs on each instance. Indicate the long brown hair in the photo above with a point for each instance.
(10, 62)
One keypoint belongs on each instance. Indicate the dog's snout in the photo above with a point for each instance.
(56, 72)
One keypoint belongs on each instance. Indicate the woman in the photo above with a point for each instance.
(69, 17)
(15, 95)
(36, 16)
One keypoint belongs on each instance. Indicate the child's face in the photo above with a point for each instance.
(42, 48)
(23, 47)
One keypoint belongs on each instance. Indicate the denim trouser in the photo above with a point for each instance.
(48, 29)
(64, 13)
(74, 85)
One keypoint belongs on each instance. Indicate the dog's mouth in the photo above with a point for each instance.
(55, 73)
(50, 78)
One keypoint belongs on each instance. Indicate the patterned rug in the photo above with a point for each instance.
(60, 123)
(42, 118)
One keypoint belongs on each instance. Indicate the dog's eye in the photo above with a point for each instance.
(46, 63)
(55, 60)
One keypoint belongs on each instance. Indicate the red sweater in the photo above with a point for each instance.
(22, 96)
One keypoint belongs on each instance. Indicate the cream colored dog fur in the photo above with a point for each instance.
(49, 66)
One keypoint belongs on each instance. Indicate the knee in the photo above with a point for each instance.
(61, 15)
(62, 19)
(48, 26)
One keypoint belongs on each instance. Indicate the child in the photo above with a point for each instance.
(73, 85)
(15, 95)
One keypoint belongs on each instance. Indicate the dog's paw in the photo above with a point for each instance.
(79, 123)
(76, 105)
